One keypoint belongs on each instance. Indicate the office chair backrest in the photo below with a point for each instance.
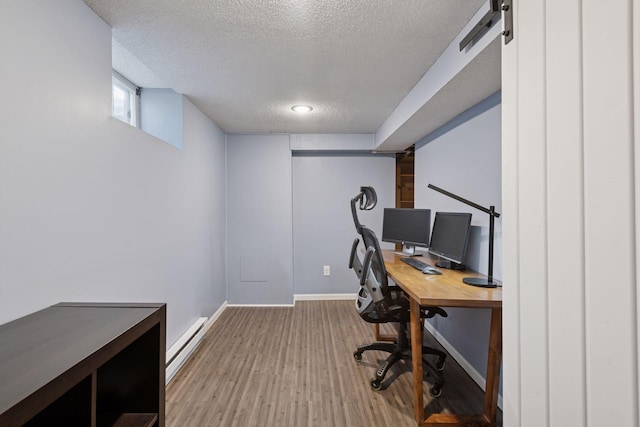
(378, 269)
(373, 298)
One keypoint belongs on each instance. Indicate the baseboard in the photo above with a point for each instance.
(260, 305)
(215, 316)
(179, 352)
(323, 297)
(466, 366)
(303, 297)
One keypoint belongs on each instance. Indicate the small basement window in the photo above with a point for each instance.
(125, 100)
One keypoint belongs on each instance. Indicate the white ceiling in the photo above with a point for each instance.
(244, 63)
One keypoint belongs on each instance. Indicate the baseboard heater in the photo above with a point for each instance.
(179, 352)
(182, 349)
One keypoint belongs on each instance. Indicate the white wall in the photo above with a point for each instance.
(259, 230)
(91, 208)
(463, 157)
(323, 229)
(571, 156)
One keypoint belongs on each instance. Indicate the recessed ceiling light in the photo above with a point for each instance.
(302, 108)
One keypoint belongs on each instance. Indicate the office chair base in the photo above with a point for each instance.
(380, 346)
(399, 352)
(376, 384)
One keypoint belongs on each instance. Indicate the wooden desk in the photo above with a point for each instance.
(447, 290)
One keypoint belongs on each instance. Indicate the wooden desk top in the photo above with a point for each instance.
(445, 290)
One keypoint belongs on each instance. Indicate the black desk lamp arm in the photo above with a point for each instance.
(492, 216)
(491, 210)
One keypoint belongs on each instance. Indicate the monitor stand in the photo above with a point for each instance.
(409, 250)
(450, 265)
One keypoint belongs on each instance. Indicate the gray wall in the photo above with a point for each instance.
(259, 228)
(92, 209)
(464, 157)
(161, 115)
(323, 230)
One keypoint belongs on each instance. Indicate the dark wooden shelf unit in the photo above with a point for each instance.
(405, 168)
(84, 364)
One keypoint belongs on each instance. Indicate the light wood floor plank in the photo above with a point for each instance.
(294, 366)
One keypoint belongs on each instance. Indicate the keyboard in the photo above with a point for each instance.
(419, 265)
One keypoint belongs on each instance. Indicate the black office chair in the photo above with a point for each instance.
(377, 302)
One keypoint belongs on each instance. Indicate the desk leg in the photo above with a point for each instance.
(490, 408)
(493, 367)
(416, 359)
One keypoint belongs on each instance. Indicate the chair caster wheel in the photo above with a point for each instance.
(357, 355)
(435, 391)
(376, 384)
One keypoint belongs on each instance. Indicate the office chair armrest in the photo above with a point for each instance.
(366, 265)
(430, 312)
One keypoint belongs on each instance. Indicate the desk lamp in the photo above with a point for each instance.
(478, 281)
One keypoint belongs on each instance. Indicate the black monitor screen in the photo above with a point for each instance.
(409, 227)
(450, 235)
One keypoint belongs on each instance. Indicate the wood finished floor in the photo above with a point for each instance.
(293, 367)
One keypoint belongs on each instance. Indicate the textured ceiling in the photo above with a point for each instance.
(244, 63)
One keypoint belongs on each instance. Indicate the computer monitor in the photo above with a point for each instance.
(449, 238)
(409, 227)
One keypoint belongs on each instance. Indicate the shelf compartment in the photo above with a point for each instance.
(126, 420)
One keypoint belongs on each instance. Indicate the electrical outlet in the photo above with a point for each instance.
(327, 270)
